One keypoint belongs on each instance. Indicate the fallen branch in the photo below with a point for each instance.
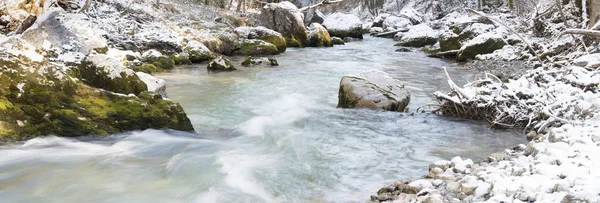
(583, 32)
(323, 2)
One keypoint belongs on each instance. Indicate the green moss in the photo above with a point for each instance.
(220, 64)
(449, 43)
(195, 56)
(5, 104)
(146, 68)
(99, 77)
(179, 60)
(255, 47)
(278, 41)
(101, 50)
(163, 63)
(344, 101)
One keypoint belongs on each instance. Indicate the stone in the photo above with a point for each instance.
(156, 85)
(375, 30)
(343, 25)
(220, 63)
(374, 90)
(418, 36)
(403, 49)
(264, 34)
(197, 52)
(38, 99)
(108, 73)
(254, 47)
(285, 18)
(337, 41)
(253, 61)
(395, 22)
(482, 44)
(318, 36)
(64, 32)
(449, 41)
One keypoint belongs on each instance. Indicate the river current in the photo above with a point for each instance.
(266, 134)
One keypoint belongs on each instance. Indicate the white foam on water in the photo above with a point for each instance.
(239, 169)
(284, 110)
(210, 196)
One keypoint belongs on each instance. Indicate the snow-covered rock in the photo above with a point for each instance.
(264, 34)
(285, 18)
(102, 71)
(418, 36)
(588, 61)
(197, 52)
(373, 89)
(65, 32)
(395, 22)
(482, 44)
(343, 25)
(220, 63)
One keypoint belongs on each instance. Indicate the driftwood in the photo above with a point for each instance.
(509, 29)
(323, 2)
(594, 33)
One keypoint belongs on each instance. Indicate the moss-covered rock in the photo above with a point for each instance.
(318, 36)
(36, 103)
(178, 59)
(337, 41)
(449, 41)
(285, 18)
(159, 60)
(264, 34)
(253, 61)
(482, 44)
(197, 52)
(220, 63)
(255, 47)
(104, 72)
(146, 68)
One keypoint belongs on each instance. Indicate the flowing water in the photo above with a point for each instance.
(263, 135)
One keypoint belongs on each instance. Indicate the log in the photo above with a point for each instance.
(583, 32)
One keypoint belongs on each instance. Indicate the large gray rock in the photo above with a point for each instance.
(254, 47)
(395, 22)
(418, 36)
(65, 33)
(285, 18)
(343, 25)
(318, 36)
(482, 44)
(374, 90)
(219, 64)
(197, 52)
(264, 34)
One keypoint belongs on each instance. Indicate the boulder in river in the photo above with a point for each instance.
(337, 41)
(220, 63)
(482, 44)
(374, 90)
(197, 52)
(285, 18)
(318, 36)
(254, 61)
(418, 36)
(264, 34)
(154, 84)
(254, 47)
(344, 25)
(39, 98)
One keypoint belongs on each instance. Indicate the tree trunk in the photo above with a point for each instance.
(593, 11)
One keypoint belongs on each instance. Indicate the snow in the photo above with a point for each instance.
(395, 22)
(417, 31)
(340, 21)
(18, 47)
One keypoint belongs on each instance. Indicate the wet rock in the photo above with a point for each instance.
(337, 41)
(254, 47)
(197, 52)
(253, 61)
(318, 36)
(264, 34)
(418, 36)
(343, 25)
(285, 18)
(482, 44)
(314, 16)
(351, 39)
(105, 72)
(373, 89)
(449, 41)
(220, 63)
(403, 49)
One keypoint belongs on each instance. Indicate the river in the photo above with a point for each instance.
(262, 135)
